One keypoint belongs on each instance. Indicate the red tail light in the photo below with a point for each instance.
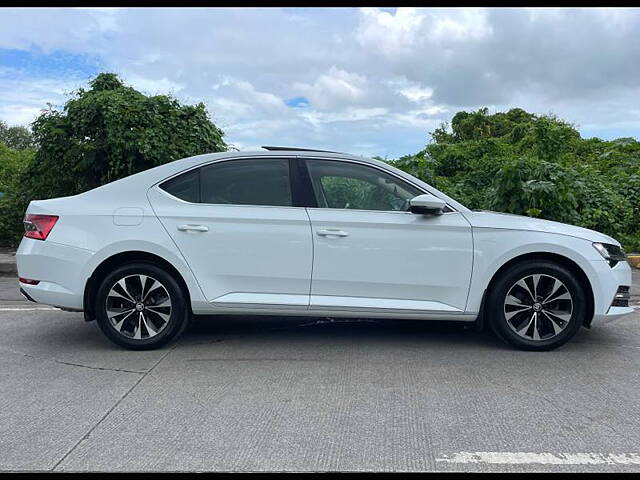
(38, 226)
(28, 281)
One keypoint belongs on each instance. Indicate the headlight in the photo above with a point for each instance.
(612, 253)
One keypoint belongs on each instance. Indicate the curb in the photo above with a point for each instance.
(8, 264)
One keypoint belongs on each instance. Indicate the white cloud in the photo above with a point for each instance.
(21, 101)
(154, 86)
(336, 89)
(376, 80)
(391, 33)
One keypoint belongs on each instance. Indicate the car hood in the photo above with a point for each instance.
(486, 219)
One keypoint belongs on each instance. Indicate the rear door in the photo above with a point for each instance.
(235, 223)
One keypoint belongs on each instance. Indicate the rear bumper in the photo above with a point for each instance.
(58, 268)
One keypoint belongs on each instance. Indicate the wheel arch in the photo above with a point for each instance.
(123, 258)
(568, 263)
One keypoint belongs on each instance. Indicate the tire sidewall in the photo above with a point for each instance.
(499, 291)
(177, 320)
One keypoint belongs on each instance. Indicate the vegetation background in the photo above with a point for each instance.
(514, 162)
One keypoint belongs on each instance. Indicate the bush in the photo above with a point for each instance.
(517, 162)
(12, 165)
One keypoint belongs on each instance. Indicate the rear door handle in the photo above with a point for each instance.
(193, 228)
(332, 232)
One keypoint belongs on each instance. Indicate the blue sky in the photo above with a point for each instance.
(367, 81)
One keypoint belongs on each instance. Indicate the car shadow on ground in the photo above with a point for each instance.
(207, 329)
(308, 332)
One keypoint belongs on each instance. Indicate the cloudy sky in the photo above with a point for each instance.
(368, 81)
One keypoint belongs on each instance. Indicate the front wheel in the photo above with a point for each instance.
(536, 305)
(140, 307)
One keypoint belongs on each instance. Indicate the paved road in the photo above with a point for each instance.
(274, 394)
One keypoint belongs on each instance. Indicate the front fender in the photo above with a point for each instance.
(493, 248)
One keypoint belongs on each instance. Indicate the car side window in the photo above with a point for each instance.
(260, 181)
(185, 187)
(347, 185)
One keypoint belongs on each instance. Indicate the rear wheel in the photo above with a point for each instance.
(141, 307)
(536, 305)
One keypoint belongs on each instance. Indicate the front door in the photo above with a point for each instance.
(371, 253)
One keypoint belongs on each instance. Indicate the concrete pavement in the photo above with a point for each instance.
(256, 394)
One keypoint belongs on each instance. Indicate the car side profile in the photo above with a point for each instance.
(301, 232)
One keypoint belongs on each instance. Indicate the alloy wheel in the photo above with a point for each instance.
(138, 306)
(538, 307)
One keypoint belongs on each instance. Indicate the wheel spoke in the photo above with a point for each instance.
(138, 331)
(162, 315)
(166, 302)
(523, 330)
(536, 334)
(150, 329)
(515, 302)
(556, 286)
(536, 281)
(510, 314)
(524, 285)
(147, 291)
(111, 313)
(565, 317)
(554, 323)
(565, 296)
(118, 325)
(123, 286)
(113, 293)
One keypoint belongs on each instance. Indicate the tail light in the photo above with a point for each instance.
(38, 226)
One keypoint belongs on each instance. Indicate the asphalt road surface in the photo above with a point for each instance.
(274, 394)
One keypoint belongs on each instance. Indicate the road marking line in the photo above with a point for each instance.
(25, 309)
(543, 458)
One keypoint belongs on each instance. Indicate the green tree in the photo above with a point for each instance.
(103, 133)
(16, 138)
(111, 131)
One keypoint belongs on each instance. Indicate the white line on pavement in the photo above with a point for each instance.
(543, 458)
(25, 309)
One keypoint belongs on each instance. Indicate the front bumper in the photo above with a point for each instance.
(605, 286)
(59, 271)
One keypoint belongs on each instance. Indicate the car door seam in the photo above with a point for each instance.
(313, 258)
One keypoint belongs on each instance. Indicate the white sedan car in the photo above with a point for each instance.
(302, 232)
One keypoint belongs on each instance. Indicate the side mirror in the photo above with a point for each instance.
(426, 204)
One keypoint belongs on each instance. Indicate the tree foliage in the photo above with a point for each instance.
(103, 133)
(111, 131)
(16, 138)
(13, 164)
(539, 166)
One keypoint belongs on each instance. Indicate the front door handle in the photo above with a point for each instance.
(332, 232)
(193, 228)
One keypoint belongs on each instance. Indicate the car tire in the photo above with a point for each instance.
(140, 306)
(536, 305)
